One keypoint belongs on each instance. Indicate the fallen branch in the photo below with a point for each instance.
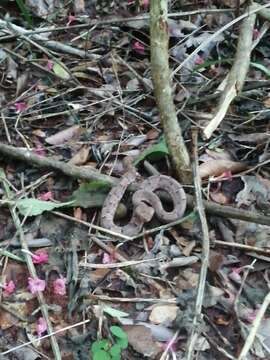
(50, 44)
(235, 79)
(161, 74)
(92, 174)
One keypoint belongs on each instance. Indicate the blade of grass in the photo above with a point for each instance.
(25, 12)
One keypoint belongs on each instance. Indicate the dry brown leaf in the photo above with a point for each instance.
(218, 167)
(163, 313)
(266, 102)
(79, 7)
(232, 3)
(41, 8)
(65, 135)
(140, 338)
(81, 157)
(220, 198)
(7, 320)
(254, 137)
(38, 132)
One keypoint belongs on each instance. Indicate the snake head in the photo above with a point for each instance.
(143, 212)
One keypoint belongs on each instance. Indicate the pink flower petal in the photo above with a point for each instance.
(46, 196)
(199, 60)
(41, 326)
(59, 286)
(235, 275)
(39, 150)
(49, 65)
(9, 288)
(256, 34)
(40, 257)
(107, 259)
(144, 4)
(138, 47)
(35, 285)
(20, 107)
(71, 19)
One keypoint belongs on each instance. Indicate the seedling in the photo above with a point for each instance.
(104, 350)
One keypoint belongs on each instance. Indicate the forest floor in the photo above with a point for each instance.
(87, 271)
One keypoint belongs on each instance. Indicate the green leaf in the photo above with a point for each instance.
(60, 71)
(118, 332)
(154, 152)
(114, 312)
(10, 255)
(261, 67)
(33, 207)
(123, 343)
(90, 194)
(102, 344)
(115, 351)
(101, 355)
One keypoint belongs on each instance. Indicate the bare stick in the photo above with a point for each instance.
(47, 163)
(237, 75)
(161, 74)
(51, 44)
(205, 251)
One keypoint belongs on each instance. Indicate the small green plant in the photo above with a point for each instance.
(104, 350)
(25, 12)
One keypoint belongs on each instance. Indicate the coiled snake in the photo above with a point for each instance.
(145, 202)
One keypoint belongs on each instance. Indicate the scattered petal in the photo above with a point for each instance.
(46, 196)
(256, 34)
(20, 107)
(144, 4)
(50, 65)
(59, 286)
(235, 275)
(107, 259)
(41, 326)
(35, 285)
(199, 60)
(39, 150)
(40, 257)
(9, 288)
(71, 19)
(138, 47)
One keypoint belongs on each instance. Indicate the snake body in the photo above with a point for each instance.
(145, 202)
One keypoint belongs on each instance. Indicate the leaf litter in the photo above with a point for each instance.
(76, 87)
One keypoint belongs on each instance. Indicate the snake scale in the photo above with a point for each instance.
(145, 202)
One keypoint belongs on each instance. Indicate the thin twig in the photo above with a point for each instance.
(254, 328)
(205, 250)
(243, 247)
(45, 337)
